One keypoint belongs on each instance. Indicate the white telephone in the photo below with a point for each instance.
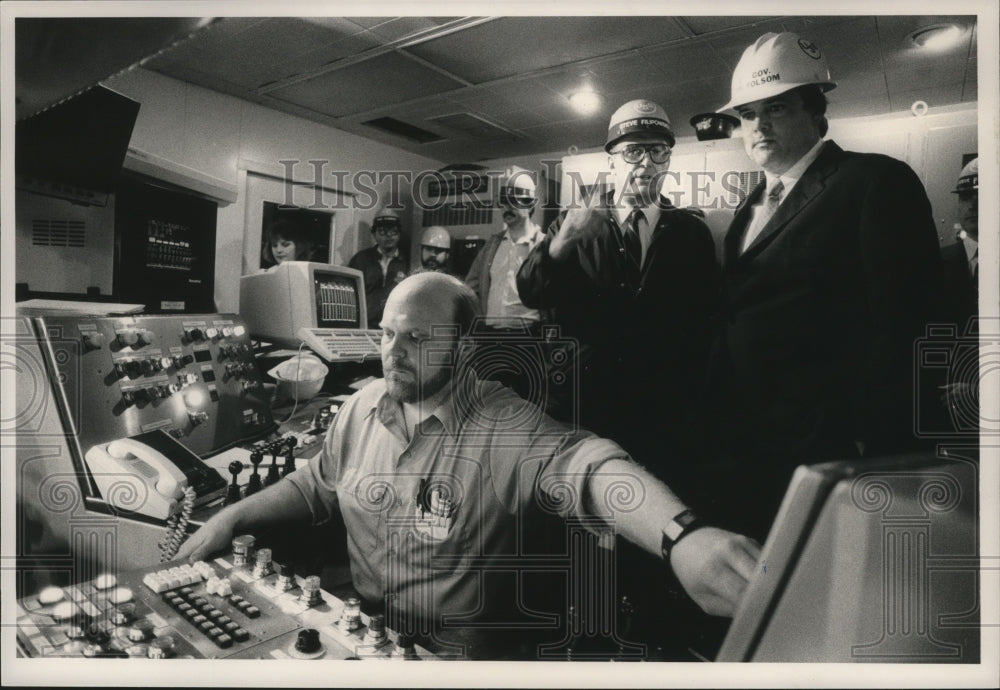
(133, 476)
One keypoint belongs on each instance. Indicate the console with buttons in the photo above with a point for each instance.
(193, 376)
(243, 605)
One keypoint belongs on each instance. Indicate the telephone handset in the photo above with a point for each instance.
(136, 477)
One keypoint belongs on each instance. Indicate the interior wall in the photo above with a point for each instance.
(224, 137)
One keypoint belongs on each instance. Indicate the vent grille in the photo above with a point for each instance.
(57, 233)
(473, 126)
(403, 129)
(450, 215)
(748, 180)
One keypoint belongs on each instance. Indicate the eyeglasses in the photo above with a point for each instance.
(634, 153)
(968, 195)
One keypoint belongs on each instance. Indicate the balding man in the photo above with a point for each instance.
(432, 465)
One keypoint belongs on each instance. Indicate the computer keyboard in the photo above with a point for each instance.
(343, 344)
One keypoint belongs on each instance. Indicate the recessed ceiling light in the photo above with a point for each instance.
(585, 102)
(937, 37)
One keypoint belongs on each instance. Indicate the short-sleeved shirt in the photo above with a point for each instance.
(489, 453)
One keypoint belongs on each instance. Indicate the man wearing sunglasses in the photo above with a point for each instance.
(384, 264)
(493, 273)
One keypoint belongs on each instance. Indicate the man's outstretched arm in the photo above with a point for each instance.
(713, 565)
(281, 502)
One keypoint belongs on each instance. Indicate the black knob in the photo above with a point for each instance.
(289, 463)
(233, 495)
(254, 485)
(308, 641)
(273, 472)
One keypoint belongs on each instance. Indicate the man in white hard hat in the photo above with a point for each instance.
(435, 249)
(384, 263)
(831, 273)
(493, 277)
(435, 493)
(631, 278)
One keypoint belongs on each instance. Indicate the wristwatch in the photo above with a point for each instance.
(682, 524)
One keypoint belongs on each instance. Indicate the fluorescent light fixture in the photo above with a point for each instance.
(937, 37)
(585, 101)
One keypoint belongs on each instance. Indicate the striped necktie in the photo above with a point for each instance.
(633, 245)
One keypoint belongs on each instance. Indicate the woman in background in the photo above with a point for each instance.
(285, 241)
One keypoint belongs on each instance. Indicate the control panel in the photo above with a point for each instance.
(192, 376)
(243, 605)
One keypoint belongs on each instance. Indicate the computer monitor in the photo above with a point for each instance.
(278, 302)
(868, 561)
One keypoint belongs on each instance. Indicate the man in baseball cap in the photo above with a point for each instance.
(831, 268)
(384, 264)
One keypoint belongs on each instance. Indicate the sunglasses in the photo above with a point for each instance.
(515, 201)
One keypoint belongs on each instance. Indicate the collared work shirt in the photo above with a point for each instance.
(503, 303)
(492, 454)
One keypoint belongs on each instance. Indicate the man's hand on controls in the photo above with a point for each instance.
(214, 536)
(714, 567)
(581, 223)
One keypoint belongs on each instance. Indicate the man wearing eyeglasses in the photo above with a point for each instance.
(384, 264)
(631, 277)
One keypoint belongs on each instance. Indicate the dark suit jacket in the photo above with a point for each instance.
(642, 346)
(813, 358)
(961, 290)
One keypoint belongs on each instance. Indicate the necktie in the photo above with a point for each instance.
(771, 202)
(633, 245)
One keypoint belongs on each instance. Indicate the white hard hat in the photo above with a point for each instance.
(517, 187)
(968, 179)
(777, 63)
(639, 117)
(436, 236)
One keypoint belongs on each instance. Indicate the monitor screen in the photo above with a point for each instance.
(277, 302)
(337, 303)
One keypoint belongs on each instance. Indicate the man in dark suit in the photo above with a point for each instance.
(831, 272)
(632, 279)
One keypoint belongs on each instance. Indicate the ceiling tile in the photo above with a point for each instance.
(686, 62)
(402, 27)
(367, 85)
(706, 25)
(484, 52)
(253, 55)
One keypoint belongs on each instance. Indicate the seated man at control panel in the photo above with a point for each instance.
(436, 474)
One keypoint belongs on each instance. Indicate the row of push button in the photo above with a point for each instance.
(209, 620)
